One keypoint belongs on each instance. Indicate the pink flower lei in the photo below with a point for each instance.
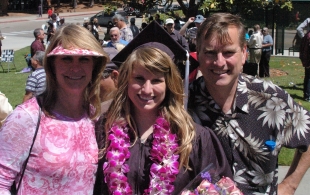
(165, 165)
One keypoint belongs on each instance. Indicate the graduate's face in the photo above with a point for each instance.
(146, 90)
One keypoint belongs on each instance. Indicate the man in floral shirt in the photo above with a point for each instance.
(253, 118)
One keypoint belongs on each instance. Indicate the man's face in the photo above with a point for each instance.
(41, 35)
(170, 27)
(115, 36)
(221, 64)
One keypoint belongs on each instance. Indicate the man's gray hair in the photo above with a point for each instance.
(39, 55)
(118, 17)
(37, 32)
(266, 29)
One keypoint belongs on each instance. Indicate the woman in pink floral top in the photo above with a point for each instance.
(64, 157)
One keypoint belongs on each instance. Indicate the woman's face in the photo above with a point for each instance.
(146, 90)
(73, 73)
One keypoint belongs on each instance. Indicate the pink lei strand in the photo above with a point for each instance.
(165, 165)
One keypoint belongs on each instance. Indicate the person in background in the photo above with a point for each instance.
(54, 20)
(57, 19)
(158, 20)
(61, 23)
(304, 26)
(143, 25)
(190, 33)
(147, 115)
(169, 24)
(253, 118)
(49, 12)
(94, 28)
(247, 36)
(35, 84)
(126, 33)
(177, 23)
(297, 18)
(255, 46)
(36, 45)
(110, 25)
(50, 31)
(133, 27)
(5, 108)
(40, 10)
(86, 23)
(64, 157)
(115, 36)
(150, 19)
(266, 53)
(108, 82)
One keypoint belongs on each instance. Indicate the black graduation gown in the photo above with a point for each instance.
(206, 150)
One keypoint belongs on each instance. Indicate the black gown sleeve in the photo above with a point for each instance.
(215, 150)
(206, 150)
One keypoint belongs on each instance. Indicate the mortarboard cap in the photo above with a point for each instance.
(154, 35)
(111, 51)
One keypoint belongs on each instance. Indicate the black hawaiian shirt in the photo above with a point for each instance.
(263, 114)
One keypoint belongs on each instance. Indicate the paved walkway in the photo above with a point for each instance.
(303, 189)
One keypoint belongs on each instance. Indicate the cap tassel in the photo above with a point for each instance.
(186, 80)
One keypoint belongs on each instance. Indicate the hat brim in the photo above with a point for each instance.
(60, 51)
(198, 21)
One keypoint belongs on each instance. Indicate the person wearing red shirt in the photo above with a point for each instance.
(49, 12)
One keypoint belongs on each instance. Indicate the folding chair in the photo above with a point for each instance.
(7, 57)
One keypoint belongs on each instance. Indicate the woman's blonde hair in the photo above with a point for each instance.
(74, 36)
(172, 107)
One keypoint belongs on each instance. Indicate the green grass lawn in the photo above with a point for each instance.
(13, 85)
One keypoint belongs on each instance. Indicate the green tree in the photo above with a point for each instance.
(242, 7)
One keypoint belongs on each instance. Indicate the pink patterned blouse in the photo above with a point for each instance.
(63, 159)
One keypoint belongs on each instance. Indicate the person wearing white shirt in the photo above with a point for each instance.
(255, 45)
(303, 26)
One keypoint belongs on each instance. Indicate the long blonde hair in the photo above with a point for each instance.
(77, 37)
(172, 107)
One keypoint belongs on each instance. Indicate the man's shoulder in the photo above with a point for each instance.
(122, 41)
(176, 32)
(34, 42)
(37, 43)
(38, 72)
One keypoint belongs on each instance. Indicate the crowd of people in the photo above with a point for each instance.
(111, 119)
